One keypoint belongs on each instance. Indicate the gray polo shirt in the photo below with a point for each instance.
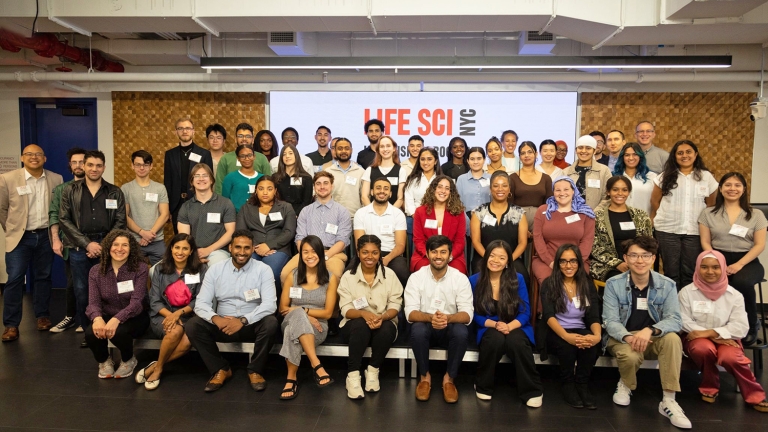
(143, 203)
(206, 220)
(655, 158)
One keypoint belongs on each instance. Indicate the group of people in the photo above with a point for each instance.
(482, 244)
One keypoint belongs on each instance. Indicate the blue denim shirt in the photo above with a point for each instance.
(663, 306)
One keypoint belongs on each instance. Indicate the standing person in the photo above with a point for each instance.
(426, 169)
(529, 188)
(457, 158)
(415, 144)
(509, 140)
(290, 137)
(146, 208)
(548, 151)
(374, 129)
(208, 217)
(89, 210)
(266, 144)
(294, 183)
(441, 213)
(236, 303)
(737, 230)
(347, 184)
(615, 141)
(474, 187)
(323, 154)
(641, 315)
(503, 317)
(178, 165)
(631, 164)
(25, 197)
(386, 164)
(241, 184)
(714, 319)
(76, 158)
(600, 140)
(494, 152)
(370, 298)
(680, 193)
(655, 157)
(438, 304)
(590, 176)
(217, 138)
(117, 290)
(307, 303)
(571, 323)
(562, 152)
(229, 162)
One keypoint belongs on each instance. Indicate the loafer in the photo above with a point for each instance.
(10, 334)
(450, 393)
(218, 380)
(44, 324)
(257, 381)
(422, 390)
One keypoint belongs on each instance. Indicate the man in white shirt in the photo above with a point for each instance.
(382, 219)
(347, 176)
(438, 302)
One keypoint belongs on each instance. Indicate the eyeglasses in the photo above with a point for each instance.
(146, 165)
(184, 129)
(645, 131)
(216, 137)
(76, 163)
(246, 156)
(28, 154)
(201, 176)
(635, 257)
(245, 136)
(570, 262)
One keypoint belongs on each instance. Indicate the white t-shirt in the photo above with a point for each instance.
(383, 226)
(640, 197)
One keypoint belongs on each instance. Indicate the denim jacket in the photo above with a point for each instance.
(663, 306)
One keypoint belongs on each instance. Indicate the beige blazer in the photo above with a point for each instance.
(14, 208)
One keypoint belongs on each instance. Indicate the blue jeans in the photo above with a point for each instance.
(34, 249)
(455, 337)
(81, 266)
(276, 262)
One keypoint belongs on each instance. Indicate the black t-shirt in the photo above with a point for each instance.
(639, 319)
(452, 170)
(581, 183)
(365, 157)
(619, 234)
(318, 159)
(94, 218)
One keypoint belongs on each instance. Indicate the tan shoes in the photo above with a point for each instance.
(450, 393)
(218, 380)
(258, 382)
(10, 334)
(422, 390)
(44, 324)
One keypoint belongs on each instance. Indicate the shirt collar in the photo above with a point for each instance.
(387, 211)
(244, 268)
(317, 204)
(28, 176)
(376, 279)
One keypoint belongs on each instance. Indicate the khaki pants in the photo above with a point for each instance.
(335, 265)
(668, 350)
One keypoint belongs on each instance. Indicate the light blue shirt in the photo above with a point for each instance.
(472, 194)
(228, 285)
(612, 162)
(331, 222)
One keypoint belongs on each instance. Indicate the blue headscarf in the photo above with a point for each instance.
(578, 205)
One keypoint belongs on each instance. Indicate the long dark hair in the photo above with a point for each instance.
(553, 288)
(669, 180)
(465, 158)
(274, 151)
(134, 255)
(193, 262)
(254, 199)
(509, 299)
(322, 272)
(642, 166)
(743, 201)
(298, 168)
(415, 175)
(453, 205)
(362, 241)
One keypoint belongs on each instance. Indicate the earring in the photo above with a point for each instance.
(506, 266)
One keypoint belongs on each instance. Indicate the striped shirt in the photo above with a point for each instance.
(330, 222)
(206, 220)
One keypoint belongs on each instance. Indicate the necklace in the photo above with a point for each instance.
(186, 153)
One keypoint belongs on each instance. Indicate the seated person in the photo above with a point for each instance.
(243, 291)
(571, 325)
(387, 222)
(641, 315)
(240, 185)
(307, 302)
(117, 288)
(715, 319)
(503, 317)
(370, 297)
(438, 302)
(328, 220)
(175, 284)
(208, 217)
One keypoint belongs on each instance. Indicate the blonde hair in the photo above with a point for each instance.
(184, 119)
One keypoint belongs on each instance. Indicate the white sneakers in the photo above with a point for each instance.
(107, 369)
(670, 409)
(354, 389)
(535, 402)
(622, 394)
(126, 368)
(372, 379)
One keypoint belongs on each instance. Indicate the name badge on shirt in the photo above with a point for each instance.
(295, 293)
(437, 304)
(276, 216)
(360, 303)
(318, 168)
(430, 223)
(125, 287)
(572, 218)
(252, 294)
(149, 196)
(111, 204)
(214, 218)
(331, 228)
(24, 190)
(351, 181)
(576, 303)
(593, 183)
(393, 180)
(385, 229)
(489, 220)
(295, 181)
(625, 226)
(642, 304)
(484, 182)
(251, 188)
(703, 307)
(194, 157)
(238, 163)
(192, 278)
(738, 230)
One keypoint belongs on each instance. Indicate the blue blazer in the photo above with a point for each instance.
(523, 312)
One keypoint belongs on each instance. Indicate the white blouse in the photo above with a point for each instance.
(679, 212)
(726, 315)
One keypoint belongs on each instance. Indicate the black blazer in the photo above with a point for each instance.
(177, 182)
(278, 235)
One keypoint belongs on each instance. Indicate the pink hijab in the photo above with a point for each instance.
(714, 290)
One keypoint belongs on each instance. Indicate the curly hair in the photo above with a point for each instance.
(134, 256)
(454, 205)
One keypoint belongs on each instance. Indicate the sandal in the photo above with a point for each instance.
(319, 378)
(293, 390)
(762, 406)
(709, 398)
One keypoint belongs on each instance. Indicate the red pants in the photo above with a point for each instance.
(708, 355)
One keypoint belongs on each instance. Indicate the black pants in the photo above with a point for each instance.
(744, 282)
(517, 347)
(518, 263)
(204, 335)
(123, 339)
(71, 302)
(679, 253)
(399, 265)
(569, 356)
(358, 336)
(454, 337)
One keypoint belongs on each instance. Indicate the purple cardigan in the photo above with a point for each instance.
(103, 299)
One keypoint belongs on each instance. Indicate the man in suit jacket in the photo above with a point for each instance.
(178, 166)
(25, 195)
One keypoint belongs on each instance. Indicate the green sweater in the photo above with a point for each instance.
(237, 187)
(228, 164)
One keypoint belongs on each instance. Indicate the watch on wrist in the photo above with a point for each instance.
(243, 320)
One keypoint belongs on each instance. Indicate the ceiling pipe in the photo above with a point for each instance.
(48, 45)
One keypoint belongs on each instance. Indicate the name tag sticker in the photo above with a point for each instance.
(437, 304)
(318, 168)
(393, 180)
(331, 228)
(572, 218)
(738, 230)
(251, 188)
(703, 307)
(111, 204)
(192, 278)
(238, 163)
(125, 287)
(576, 303)
(360, 303)
(295, 293)
(386, 229)
(430, 223)
(484, 182)
(625, 226)
(252, 295)
(275, 216)
(214, 218)
(149, 196)
(642, 304)
(24, 190)
(593, 183)
(351, 181)
(489, 220)
(194, 157)
(295, 181)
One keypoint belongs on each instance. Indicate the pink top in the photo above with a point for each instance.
(548, 235)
